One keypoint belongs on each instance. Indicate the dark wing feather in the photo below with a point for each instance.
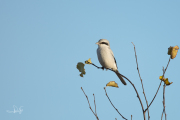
(115, 62)
(114, 58)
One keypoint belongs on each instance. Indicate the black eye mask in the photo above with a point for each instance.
(104, 43)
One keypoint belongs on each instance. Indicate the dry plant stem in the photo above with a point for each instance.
(98, 67)
(159, 84)
(154, 96)
(95, 104)
(141, 81)
(95, 114)
(164, 111)
(162, 116)
(131, 117)
(167, 65)
(113, 105)
(133, 87)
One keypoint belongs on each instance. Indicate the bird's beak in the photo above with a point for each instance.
(97, 43)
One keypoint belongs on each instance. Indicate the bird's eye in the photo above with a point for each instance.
(104, 43)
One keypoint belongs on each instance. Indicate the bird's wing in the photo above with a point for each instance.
(113, 57)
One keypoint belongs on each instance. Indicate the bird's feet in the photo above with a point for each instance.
(102, 68)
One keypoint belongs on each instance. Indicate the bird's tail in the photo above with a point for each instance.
(120, 77)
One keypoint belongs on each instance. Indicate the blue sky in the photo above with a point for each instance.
(41, 43)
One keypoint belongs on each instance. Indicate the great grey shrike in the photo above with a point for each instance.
(106, 57)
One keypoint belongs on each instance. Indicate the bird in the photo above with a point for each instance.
(106, 57)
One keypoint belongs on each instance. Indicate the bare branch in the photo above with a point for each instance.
(99, 67)
(141, 80)
(131, 117)
(154, 96)
(113, 105)
(164, 111)
(95, 104)
(95, 114)
(167, 66)
(162, 116)
(164, 71)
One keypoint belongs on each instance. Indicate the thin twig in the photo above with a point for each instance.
(162, 115)
(141, 80)
(101, 67)
(95, 104)
(164, 111)
(164, 101)
(95, 114)
(131, 117)
(113, 105)
(154, 96)
(159, 84)
(165, 116)
(167, 65)
(98, 67)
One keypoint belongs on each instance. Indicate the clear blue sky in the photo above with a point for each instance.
(42, 41)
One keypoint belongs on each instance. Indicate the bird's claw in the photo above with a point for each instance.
(102, 68)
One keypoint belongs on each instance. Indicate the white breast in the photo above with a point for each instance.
(106, 57)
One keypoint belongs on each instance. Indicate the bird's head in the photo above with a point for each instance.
(103, 42)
